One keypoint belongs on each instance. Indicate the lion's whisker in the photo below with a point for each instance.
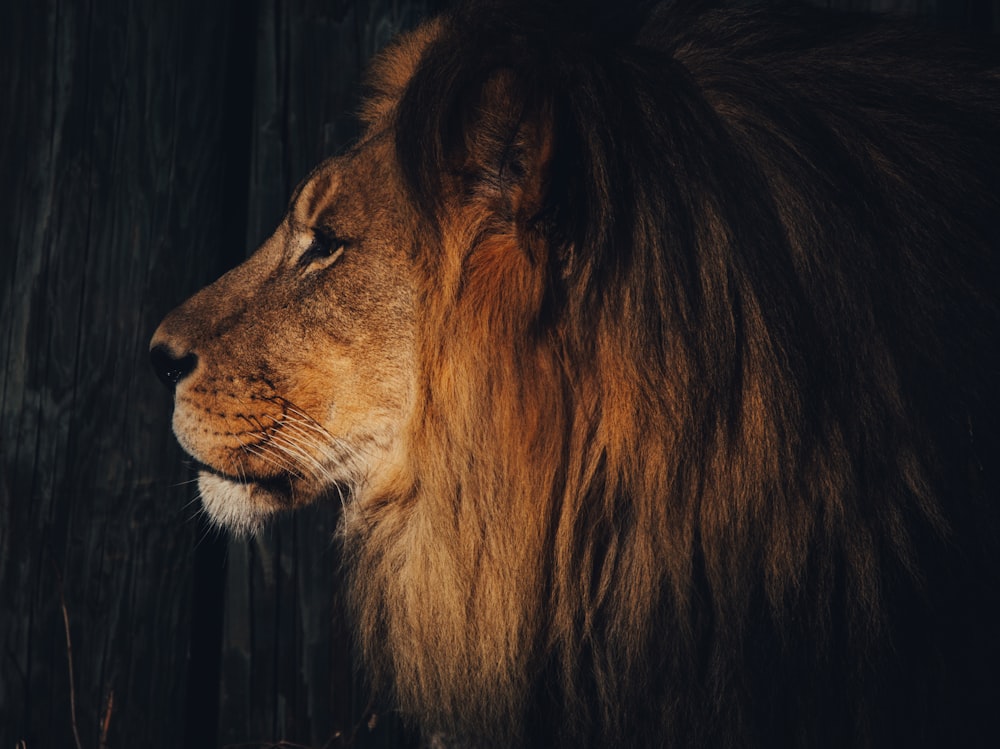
(268, 456)
(324, 447)
(299, 456)
(306, 421)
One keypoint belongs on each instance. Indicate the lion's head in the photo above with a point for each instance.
(294, 372)
(655, 369)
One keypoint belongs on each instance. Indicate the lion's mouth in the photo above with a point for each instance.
(280, 485)
(243, 504)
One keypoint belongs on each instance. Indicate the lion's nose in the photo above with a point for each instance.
(169, 367)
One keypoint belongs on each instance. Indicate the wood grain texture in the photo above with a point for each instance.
(111, 191)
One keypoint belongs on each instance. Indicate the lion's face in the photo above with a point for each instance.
(294, 371)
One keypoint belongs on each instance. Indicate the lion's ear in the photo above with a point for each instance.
(477, 137)
(507, 140)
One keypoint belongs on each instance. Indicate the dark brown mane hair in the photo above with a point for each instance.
(735, 274)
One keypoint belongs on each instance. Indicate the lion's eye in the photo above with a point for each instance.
(324, 249)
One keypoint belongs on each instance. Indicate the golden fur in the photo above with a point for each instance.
(659, 381)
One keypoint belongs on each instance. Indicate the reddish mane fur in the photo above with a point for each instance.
(706, 444)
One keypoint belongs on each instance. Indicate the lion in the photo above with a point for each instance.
(654, 359)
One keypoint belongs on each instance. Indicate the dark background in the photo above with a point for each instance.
(145, 147)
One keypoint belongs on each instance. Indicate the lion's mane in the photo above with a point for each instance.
(706, 443)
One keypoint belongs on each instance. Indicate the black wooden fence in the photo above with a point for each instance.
(145, 146)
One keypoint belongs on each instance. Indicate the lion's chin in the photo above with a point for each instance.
(242, 508)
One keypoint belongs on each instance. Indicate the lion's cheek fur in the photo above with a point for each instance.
(450, 576)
